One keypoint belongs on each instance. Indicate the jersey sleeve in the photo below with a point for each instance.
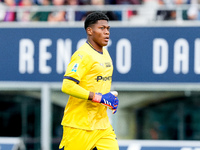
(71, 88)
(80, 64)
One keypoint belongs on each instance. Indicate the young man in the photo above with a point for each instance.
(88, 80)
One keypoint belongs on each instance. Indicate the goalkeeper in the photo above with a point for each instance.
(88, 80)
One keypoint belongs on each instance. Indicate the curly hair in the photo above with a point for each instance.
(93, 17)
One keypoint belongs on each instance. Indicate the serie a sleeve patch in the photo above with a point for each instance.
(75, 67)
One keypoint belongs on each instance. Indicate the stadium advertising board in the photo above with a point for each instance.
(11, 143)
(140, 54)
(160, 148)
(158, 145)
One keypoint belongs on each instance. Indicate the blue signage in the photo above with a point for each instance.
(6, 146)
(139, 54)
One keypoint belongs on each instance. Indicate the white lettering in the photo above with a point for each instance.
(44, 56)
(189, 148)
(123, 56)
(80, 43)
(64, 51)
(26, 54)
(197, 56)
(181, 56)
(186, 148)
(160, 56)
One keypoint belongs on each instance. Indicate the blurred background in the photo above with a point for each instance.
(155, 48)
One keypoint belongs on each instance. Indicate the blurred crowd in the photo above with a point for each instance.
(192, 13)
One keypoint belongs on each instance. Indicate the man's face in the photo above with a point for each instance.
(100, 33)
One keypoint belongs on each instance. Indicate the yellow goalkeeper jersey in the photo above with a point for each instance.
(91, 70)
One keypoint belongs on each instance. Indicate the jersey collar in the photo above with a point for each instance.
(93, 47)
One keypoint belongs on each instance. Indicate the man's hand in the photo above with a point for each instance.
(107, 99)
(116, 94)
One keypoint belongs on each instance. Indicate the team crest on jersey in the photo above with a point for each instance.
(74, 69)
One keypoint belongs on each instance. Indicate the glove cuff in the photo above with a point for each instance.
(96, 98)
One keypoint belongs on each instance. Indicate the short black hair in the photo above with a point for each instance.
(93, 17)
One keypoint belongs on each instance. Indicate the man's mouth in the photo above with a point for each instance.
(107, 38)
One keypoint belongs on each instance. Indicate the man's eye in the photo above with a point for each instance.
(102, 28)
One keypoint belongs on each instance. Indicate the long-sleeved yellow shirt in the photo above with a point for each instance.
(88, 71)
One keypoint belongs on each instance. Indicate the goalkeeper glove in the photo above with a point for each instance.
(116, 94)
(107, 99)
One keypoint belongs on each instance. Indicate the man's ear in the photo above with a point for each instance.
(89, 31)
